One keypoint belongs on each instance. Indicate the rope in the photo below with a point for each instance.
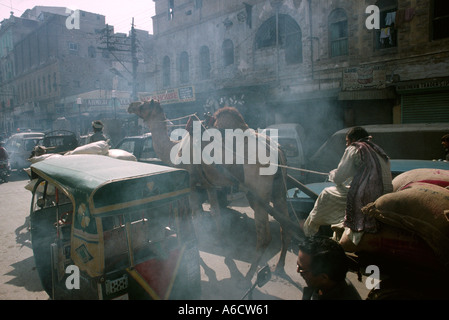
(279, 165)
(180, 118)
(299, 169)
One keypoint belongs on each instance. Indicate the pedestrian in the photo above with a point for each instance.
(445, 143)
(362, 176)
(3, 153)
(323, 265)
(98, 135)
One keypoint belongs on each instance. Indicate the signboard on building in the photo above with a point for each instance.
(176, 95)
(364, 78)
(430, 84)
(105, 102)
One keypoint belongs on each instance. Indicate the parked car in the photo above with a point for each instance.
(399, 141)
(19, 147)
(141, 147)
(59, 141)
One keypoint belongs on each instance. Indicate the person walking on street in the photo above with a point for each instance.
(98, 135)
(3, 153)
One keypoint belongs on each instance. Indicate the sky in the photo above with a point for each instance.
(117, 12)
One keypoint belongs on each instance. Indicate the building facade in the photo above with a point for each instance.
(323, 64)
(68, 64)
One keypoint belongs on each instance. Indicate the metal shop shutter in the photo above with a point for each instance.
(429, 107)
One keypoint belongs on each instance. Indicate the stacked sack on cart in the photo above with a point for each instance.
(98, 148)
(413, 219)
(95, 148)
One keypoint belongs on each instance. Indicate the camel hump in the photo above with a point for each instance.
(229, 118)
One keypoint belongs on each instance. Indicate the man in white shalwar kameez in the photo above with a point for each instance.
(331, 205)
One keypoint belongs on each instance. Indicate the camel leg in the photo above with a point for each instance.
(195, 202)
(215, 209)
(262, 232)
(280, 204)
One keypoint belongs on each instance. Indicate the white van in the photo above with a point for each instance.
(291, 139)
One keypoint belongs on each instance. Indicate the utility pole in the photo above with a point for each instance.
(135, 62)
(110, 41)
(106, 34)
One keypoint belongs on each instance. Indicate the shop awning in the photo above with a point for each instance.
(378, 94)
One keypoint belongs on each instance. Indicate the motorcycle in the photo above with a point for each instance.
(5, 170)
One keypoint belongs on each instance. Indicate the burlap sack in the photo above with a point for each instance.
(41, 188)
(44, 157)
(420, 208)
(395, 245)
(99, 147)
(434, 176)
(121, 154)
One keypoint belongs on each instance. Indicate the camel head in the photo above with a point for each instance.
(145, 109)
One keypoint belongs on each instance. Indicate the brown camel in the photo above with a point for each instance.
(261, 189)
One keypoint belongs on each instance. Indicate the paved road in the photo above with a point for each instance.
(18, 276)
(223, 263)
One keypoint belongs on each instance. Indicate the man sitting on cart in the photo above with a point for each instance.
(362, 176)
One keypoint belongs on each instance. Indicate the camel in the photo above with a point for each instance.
(261, 189)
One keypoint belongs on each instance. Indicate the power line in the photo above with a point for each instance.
(10, 7)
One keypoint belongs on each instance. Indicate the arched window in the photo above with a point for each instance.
(228, 52)
(386, 36)
(338, 33)
(289, 37)
(184, 67)
(166, 71)
(205, 63)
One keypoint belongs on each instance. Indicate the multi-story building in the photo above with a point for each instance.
(323, 64)
(12, 30)
(71, 65)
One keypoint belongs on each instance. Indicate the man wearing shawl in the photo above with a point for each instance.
(362, 176)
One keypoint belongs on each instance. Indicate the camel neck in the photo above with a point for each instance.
(162, 143)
